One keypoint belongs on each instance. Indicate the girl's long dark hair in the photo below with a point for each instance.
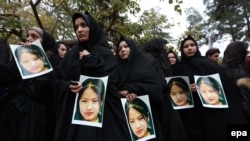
(142, 108)
(98, 86)
(32, 49)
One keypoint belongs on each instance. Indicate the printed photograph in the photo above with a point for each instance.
(211, 91)
(89, 102)
(180, 92)
(139, 118)
(31, 60)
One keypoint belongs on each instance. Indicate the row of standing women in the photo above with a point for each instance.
(204, 123)
(40, 108)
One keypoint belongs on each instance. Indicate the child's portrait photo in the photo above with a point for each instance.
(139, 118)
(211, 91)
(31, 60)
(89, 103)
(180, 92)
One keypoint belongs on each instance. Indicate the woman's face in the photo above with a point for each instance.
(62, 49)
(138, 123)
(124, 50)
(189, 48)
(33, 35)
(209, 94)
(178, 95)
(89, 105)
(31, 62)
(82, 29)
(171, 58)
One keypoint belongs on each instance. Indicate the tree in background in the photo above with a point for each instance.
(229, 17)
(55, 17)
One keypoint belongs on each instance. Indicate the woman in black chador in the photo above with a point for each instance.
(207, 124)
(137, 77)
(27, 111)
(91, 57)
(156, 55)
(234, 64)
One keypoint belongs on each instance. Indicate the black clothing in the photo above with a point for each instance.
(48, 42)
(234, 66)
(4, 59)
(139, 77)
(157, 57)
(100, 62)
(244, 85)
(27, 111)
(206, 123)
(160, 62)
(54, 60)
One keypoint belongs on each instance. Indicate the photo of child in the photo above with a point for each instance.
(31, 60)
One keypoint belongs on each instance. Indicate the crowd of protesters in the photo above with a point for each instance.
(41, 108)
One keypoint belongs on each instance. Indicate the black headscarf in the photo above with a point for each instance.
(156, 48)
(99, 63)
(235, 54)
(156, 55)
(234, 59)
(4, 51)
(193, 62)
(208, 118)
(98, 47)
(55, 59)
(135, 74)
(4, 60)
(138, 76)
(185, 58)
(96, 34)
(48, 42)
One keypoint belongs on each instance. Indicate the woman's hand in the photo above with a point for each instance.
(75, 87)
(123, 93)
(193, 87)
(83, 53)
(22, 43)
(130, 96)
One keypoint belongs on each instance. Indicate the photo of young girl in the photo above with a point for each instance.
(180, 92)
(31, 60)
(211, 92)
(139, 118)
(89, 102)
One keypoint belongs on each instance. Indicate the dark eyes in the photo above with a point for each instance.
(34, 36)
(170, 57)
(192, 44)
(83, 25)
(120, 48)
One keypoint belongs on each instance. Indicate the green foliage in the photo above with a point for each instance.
(229, 17)
(155, 25)
(55, 17)
(220, 60)
(197, 27)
